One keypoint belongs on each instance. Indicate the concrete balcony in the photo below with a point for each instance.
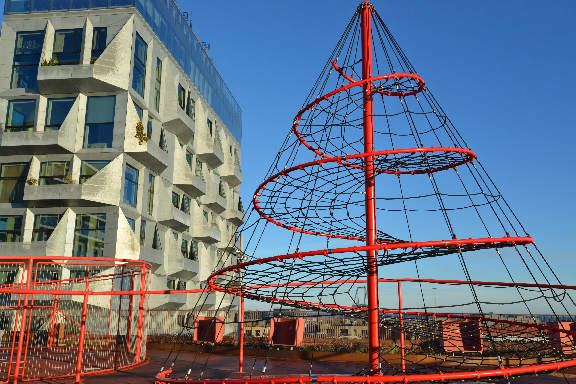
(178, 122)
(183, 268)
(194, 186)
(232, 245)
(174, 218)
(38, 248)
(212, 198)
(83, 195)
(208, 233)
(234, 216)
(35, 143)
(153, 256)
(66, 79)
(231, 173)
(173, 301)
(150, 155)
(210, 151)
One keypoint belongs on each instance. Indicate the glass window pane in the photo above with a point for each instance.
(57, 111)
(12, 180)
(139, 72)
(29, 43)
(99, 129)
(139, 111)
(67, 46)
(44, 226)
(181, 96)
(21, 115)
(99, 37)
(89, 235)
(90, 167)
(10, 229)
(54, 172)
(132, 223)
(130, 185)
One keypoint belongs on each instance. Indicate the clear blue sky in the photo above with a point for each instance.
(503, 70)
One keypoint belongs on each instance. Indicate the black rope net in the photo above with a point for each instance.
(477, 292)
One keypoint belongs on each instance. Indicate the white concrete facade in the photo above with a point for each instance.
(189, 152)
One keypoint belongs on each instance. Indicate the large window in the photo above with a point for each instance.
(99, 130)
(184, 248)
(89, 235)
(142, 232)
(26, 59)
(131, 186)
(181, 97)
(54, 172)
(158, 84)
(21, 115)
(191, 106)
(185, 207)
(139, 73)
(98, 42)
(189, 158)
(198, 171)
(44, 225)
(56, 112)
(10, 229)
(175, 200)
(12, 180)
(210, 128)
(67, 46)
(90, 167)
(156, 244)
(194, 250)
(151, 180)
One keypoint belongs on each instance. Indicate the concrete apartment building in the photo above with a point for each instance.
(118, 139)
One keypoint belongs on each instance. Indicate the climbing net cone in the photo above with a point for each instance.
(375, 171)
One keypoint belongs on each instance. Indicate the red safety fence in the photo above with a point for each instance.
(67, 316)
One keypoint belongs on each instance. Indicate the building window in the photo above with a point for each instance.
(12, 180)
(21, 115)
(99, 130)
(44, 225)
(171, 284)
(132, 223)
(210, 128)
(191, 106)
(54, 172)
(90, 167)
(139, 73)
(89, 235)
(162, 141)
(67, 46)
(175, 200)
(194, 250)
(99, 37)
(156, 239)
(149, 128)
(185, 207)
(151, 179)
(142, 232)
(181, 97)
(181, 286)
(158, 84)
(221, 189)
(189, 158)
(139, 111)
(26, 59)
(130, 186)
(198, 170)
(184, 248)
(10, 229)
(56, 112)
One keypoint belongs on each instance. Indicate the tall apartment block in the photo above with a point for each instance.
(118, 139)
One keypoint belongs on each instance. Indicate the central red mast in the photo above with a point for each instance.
(369, 176)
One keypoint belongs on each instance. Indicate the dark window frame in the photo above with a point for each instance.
(53, 179)
(139, 66)
(130, 197)
(75, 53)
(23, 60)
(29, 126)
(98, 46)
(13, 235)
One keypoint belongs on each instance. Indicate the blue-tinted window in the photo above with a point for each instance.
(89, 235)
(56, 112)
(131, 223)
(181, 97)
(10, 229)
(139, 111)
(21, 115)
(139, 73)
(90, 167)
(99, 130)
(27, 52)
(67, 46)
(44, 225)
(12, 180)
(130, 185)
(99, 37)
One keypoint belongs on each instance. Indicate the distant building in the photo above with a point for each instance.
(118, 139)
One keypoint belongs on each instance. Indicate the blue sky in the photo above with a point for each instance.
(501, 69)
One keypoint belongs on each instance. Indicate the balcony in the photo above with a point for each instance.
(38, 248)
(234, 216)
(35, 143)
(193, 186)
(182, 268)
(148, 154)
(231, 173)
(174, 218)
(208, 233)
(209, 150)
(232, 245)
(183, 177)
(178, 122)
(153, 256)
(173, 301)
(213, 199)
(66, 79)
(66, 195)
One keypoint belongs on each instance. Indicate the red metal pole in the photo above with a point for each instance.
(140, 330)
(241, 337)
(370, 188)
(401, 317)
(23, 321)
(82, 333)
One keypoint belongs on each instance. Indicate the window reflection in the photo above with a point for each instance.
(56, 112)
(44, 225)
(99, 37)
(89, 235)
(12, 180)
(54, 172)
(10, 229)
(130, 185)
(67, 46)
(27, 51)
(99, 129)
(21, 115)
(139, 73)
(90, 167)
